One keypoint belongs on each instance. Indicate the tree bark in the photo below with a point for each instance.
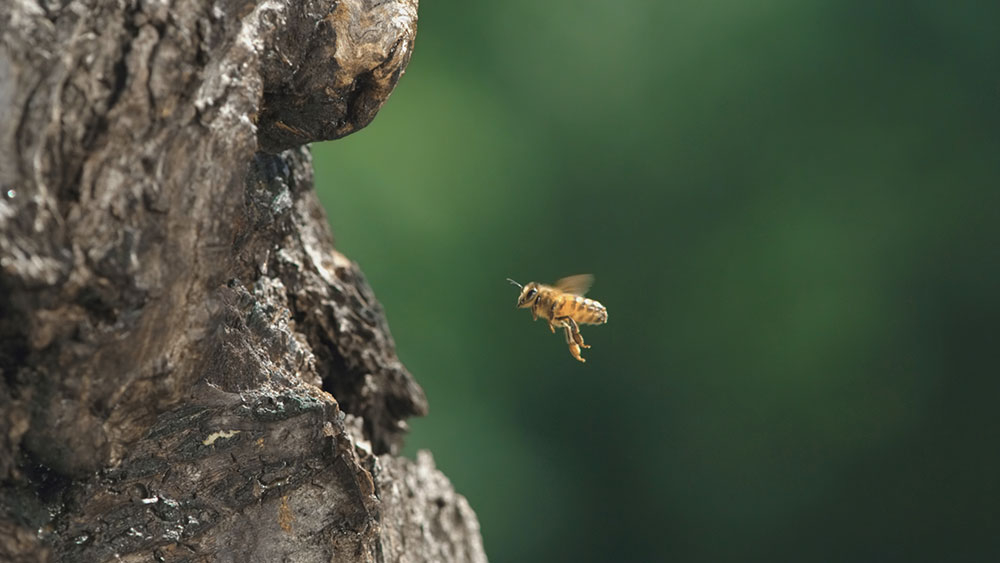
(190, 371)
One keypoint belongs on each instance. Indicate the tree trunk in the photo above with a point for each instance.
(190, 371)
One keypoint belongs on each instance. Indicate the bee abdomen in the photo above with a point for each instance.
(589, 311)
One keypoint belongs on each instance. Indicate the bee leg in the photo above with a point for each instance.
(574, 348)
(568, 333)
(552, 326)
(577, 337)
(571, 337)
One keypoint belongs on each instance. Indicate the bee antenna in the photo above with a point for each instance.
(515, 283)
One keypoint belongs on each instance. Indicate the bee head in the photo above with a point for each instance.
(528, 295)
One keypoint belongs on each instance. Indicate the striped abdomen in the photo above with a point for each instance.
(582, 310)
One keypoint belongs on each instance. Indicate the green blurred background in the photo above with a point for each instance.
(792, 210)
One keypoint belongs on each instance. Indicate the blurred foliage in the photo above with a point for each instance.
(793, 214)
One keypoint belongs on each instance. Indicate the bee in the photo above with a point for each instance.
(563, 305)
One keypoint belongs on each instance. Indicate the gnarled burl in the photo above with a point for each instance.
(188, 370)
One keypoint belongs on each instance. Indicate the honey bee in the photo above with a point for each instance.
(563, 305)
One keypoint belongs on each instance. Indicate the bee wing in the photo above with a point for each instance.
(577, 285)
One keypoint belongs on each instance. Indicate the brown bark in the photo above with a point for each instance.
(190, 371)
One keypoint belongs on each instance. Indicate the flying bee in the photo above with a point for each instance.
(563, 305)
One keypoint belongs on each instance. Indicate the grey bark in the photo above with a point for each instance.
(188, 370)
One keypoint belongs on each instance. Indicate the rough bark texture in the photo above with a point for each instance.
(188, 370)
